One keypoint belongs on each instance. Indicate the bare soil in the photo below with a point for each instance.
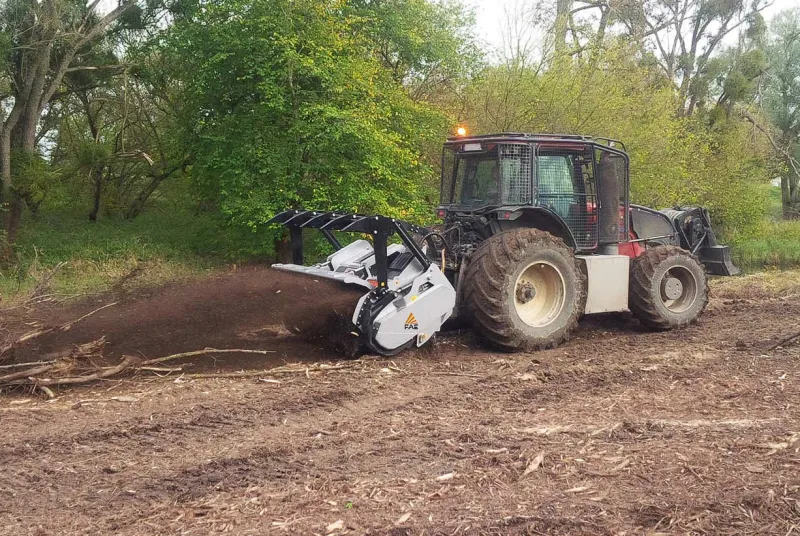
(618, 430)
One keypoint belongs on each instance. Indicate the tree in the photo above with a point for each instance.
(292, 103)
(682, 37)
(782, 105)
(42, 42)
(121, 136)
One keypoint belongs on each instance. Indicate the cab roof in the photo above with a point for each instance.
(540, 137)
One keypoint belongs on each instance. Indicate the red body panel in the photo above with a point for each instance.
(631, 249)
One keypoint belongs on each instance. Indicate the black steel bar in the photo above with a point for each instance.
(649, 238)
(283, 217)
(379, 245)
(331, 239)
(411, 245)
(296, 244)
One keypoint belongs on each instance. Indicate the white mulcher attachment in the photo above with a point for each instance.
(408, 297)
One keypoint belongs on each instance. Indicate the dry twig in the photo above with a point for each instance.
(784, 341)
(203, 352)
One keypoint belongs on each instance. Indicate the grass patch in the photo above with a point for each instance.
(776, 246)
(768, 283)
(159, 245)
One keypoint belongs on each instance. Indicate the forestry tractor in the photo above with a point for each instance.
(537, 230)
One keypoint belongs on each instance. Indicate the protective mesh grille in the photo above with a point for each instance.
(515, 170)
(565, 184)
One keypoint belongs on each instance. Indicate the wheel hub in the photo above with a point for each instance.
(672, 288)
(679, 289)
(539, 294)
(525, 292)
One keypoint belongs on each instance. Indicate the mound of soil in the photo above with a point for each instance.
(250, 308)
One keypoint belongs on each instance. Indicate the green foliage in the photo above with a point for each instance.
(428, 46)
(32, 175)
(288, 104)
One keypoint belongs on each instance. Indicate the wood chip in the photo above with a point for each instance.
(125, 398)
(535, 464)
(403, 518)
(579, 489)
(446, 476)
(336, 525)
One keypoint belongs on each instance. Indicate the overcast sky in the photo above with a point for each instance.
(490, 15)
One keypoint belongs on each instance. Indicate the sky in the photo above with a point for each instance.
(491, 15)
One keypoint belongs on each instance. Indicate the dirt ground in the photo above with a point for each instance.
(619, 431)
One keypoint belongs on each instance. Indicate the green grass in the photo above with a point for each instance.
(165, 244)
(775, 245)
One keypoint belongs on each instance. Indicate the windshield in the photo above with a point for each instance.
(497, 175)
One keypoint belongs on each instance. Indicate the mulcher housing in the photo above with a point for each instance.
(482, 263)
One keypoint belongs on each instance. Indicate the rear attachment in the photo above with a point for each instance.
(407, 297)
(696, 235)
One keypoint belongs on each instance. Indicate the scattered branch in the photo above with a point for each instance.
(784, 341)
(203, 352)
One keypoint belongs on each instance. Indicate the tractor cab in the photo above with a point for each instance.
(553, 179)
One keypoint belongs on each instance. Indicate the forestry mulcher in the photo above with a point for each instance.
(537, 230)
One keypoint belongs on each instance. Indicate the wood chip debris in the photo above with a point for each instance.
(534, 465)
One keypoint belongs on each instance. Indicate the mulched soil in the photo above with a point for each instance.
(619, 430)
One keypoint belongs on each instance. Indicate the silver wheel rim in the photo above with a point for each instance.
(678, 289)
(539, 294)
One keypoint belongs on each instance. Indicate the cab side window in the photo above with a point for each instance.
(556, 188)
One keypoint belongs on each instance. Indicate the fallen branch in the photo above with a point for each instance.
(46, 390)
(286, 369)
(26, 373)
(784, 341)
(68, 325)
(127, 362)
(202, 352)
(30, 364)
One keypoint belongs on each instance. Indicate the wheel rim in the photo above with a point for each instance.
(539, 294)
(678, 289)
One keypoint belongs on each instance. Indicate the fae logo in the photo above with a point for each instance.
(411, 322)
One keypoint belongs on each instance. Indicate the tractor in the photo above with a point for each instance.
(536, 230)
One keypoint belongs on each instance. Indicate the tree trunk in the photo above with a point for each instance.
(560, 27)
(283, 253)
(98, 191)
(790, 196)
(138, 204)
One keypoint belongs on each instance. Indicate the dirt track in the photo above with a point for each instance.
(619, 430)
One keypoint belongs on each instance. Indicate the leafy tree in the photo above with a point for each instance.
(782, 105)
(41, 43)
(290, 103)
(118, 138)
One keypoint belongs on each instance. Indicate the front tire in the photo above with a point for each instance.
(524, 290)
(668, 288)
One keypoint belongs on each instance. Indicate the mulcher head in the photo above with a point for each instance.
(405, 296)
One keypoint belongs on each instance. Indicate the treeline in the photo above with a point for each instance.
(244, 108)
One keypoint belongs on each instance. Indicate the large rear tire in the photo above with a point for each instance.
(523, 290)
(668, 288)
